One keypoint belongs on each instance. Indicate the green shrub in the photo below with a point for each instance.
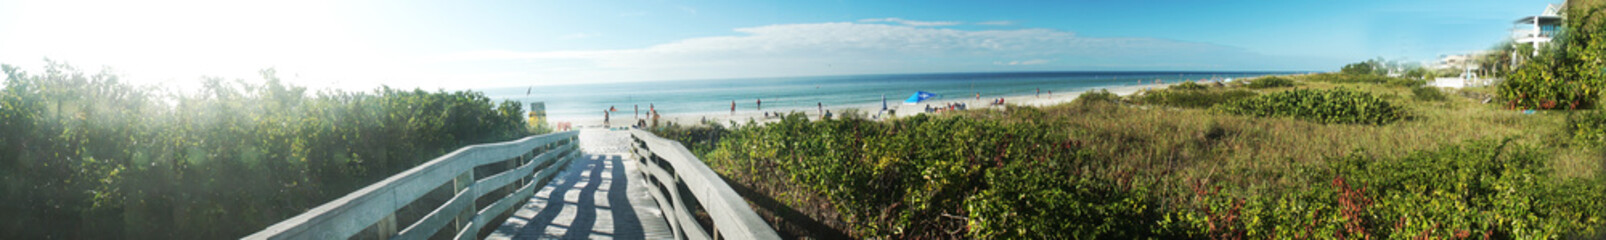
(1340, 105)
(86, 156)
(1368, 67)
(1096, 96)
(1188, 85)
(1422, 93)
(1568, 73)
(1270, 82)
(1193, 98)
(1348, 78)
(1043, 200)
(1588, 128)
(1479, 189)
(1546, 83)
(1405, 82)
(897, 179)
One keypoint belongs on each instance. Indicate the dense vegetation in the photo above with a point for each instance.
(1203, 98)
(1568, 72)
(1102, 168)
(86, 156)
(1483, 188)
(1270, 82)
(1338, 105)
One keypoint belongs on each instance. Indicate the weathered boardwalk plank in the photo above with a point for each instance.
(599, 196)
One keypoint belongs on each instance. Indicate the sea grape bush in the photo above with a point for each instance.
(1339, 105)
(1478, 189)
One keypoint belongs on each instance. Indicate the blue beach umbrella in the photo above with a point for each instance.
(919, 96)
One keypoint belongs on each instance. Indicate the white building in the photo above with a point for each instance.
(1537, 30)
(1458, 61)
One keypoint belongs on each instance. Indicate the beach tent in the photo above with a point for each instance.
(919, 96)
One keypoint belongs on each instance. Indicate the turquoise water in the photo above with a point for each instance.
(587, 101)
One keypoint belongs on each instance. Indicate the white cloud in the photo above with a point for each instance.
(911, 22)
(996, 23)
(856, 48)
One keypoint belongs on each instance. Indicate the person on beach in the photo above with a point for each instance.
(760, 103)
(611, 109)
(1039, 93)
(637, 109)
(604, 118)
(821, 105)
(733, 107)
(978, 96)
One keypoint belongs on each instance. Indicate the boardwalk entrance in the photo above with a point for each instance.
(588, 184)
(598, 196)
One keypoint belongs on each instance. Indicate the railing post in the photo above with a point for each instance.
(387, 226)
(462, 182)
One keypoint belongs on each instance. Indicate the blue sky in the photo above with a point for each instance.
(478, 44)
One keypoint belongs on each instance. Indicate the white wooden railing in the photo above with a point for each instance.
(376, 205)
(682, 184)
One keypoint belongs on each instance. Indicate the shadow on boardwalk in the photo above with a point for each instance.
(593, 198)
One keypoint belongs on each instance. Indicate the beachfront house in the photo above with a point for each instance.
(1537, 30)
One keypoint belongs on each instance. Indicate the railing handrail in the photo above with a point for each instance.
(377, 203)
(732, 217)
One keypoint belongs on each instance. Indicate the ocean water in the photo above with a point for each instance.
(587, 101)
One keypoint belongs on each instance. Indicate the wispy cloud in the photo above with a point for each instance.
(996, 23)
(1026, 62)
(912, 22)
(858, 48)
(573, 36)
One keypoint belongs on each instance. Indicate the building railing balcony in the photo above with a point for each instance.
(1529, 33)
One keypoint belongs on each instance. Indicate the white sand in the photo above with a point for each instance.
(741, 116)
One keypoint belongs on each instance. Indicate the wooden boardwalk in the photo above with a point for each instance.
(598, 196)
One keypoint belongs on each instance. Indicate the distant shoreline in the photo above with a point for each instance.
(625, 118)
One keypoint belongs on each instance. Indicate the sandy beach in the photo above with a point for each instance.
(625, 117)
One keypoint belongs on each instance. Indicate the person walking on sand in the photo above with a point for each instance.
(822, 107)
(604, 118)
(637, 109)
(733, 107)
(1039, 93)
(760, 103)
